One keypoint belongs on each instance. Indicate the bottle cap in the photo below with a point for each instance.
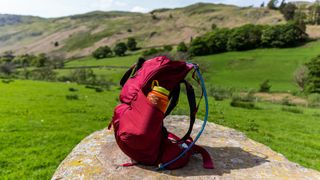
(161, 90)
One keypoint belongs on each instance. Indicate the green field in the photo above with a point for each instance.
(240, 70)
(39, 126)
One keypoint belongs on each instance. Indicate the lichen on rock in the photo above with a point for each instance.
(235, 157)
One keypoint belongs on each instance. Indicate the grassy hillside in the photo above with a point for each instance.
(79, 35)
(244, 70)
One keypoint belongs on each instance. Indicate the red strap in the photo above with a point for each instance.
(128, 164)
(207, 161)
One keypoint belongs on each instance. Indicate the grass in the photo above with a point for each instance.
(40, 126)
(246, 70)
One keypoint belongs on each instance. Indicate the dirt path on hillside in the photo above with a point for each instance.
(281, 97)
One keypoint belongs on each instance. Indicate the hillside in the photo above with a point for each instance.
(78, 35)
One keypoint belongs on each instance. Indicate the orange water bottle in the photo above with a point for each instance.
(159, 96)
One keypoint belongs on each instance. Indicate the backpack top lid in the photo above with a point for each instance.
(168, 73)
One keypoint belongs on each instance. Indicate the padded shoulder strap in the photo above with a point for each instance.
(193, 109)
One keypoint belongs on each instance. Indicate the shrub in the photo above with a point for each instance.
(46, 74)
(40, 60)
(217, 40)
(313, 78)
(73, 89)
(182, 47)
(151, 51)
(7, 68)
(245, 37)
(300, 77)
(167, 48)
(265, 86)
(287, 102)
(72, 97)
(199, 47)
(218, 93)
(102, 52)
(82, 76)
(292, 110)
(120, 49)
(314, 99)
(132, 44)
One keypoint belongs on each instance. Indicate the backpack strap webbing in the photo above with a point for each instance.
(193, 108)
(132, 70)
(192, 104)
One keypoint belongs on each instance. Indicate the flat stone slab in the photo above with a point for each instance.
(235, 157)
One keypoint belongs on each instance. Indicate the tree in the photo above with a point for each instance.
(272, 4)
(199, 47)
(7, 68)
(132, 44)
(217, 40)
(120, 49)
(288, 11)
(102, 52)
(265, 86)
(300, 77)
(313, 78)
(262, 4)
(40, 60)
(245, 37)
(182, 47)
(167, 48)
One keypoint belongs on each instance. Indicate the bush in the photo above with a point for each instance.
(313, 78)
(40, 61)
(182, 47)
(73, 89)
(218, 93)
(287, 102)
(151, 51)
(217, 40)
(265, 86)
(314, 99)
(245, 37)
(301, 77)
(120, 49)
(167, 48)
(132, 44)
(44, 74)
(7, 69)
(82, 76)
(102, 52)
(72, 97)
(199, 47)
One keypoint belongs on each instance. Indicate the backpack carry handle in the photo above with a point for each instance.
(164, 165)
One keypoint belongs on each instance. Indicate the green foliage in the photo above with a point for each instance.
(245, 37)
(40, 60)
(151, 52)
(7, 69)
(182, 47)
(272, 4)
(82, 76)
(265, 86)
(314, 100)
(120, 49)
(72, 97)
(199, 47)
(102, 52)
(43, 73)
(282, 35)
(167, 48)
(217, 40)
(313, 82)
(132, 44)
(288, 10)
(301, 77)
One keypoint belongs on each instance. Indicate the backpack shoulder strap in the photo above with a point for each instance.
(132, 70)
(193, 108)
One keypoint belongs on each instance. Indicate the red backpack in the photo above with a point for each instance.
(138, 124)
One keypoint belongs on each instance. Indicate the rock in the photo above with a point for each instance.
(235, 157)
